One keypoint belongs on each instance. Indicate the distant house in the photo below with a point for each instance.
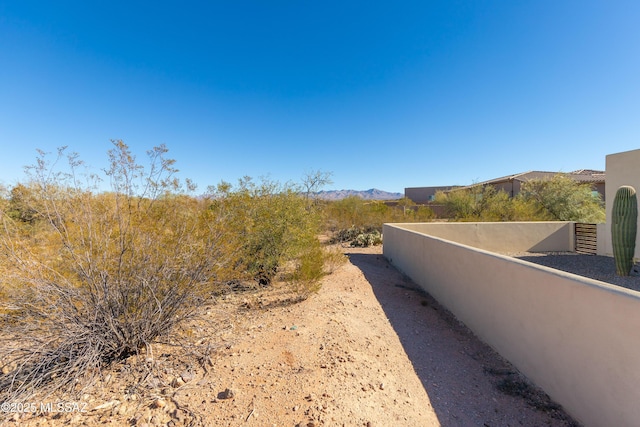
(423, 195)
(512, 184)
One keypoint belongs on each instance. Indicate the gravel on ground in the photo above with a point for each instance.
(595, 267)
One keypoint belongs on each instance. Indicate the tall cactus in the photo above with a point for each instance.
(624, 224)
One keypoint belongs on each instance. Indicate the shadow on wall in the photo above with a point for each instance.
(456, 369)
(550, 242)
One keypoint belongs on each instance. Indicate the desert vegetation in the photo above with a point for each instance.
(358, 221)
(91, 277)
(557, 199)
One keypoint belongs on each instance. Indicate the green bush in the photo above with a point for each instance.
(273, 226)
(563, 199)
(557, 199)
(346, 219)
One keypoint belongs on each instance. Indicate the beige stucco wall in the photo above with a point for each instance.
(503, 236)
(574, 337)
(622, 169)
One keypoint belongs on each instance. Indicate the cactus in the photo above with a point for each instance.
(624, 224)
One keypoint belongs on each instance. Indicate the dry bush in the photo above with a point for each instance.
(333, 259)
(309, 269)
(100, 276)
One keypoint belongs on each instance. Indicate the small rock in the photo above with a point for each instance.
(187, 376)
(228, 393)
(159, 403)
(177, 382)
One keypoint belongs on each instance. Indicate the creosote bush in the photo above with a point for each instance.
(98, 276)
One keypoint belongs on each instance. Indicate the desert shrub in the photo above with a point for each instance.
(354, 212)
(344, 216)
(478, 203)
(22, 205)
(348, 235)
(333, 259)
(364, 240)
(310, 266)
(562, 199)
(106, 274)
(557, 199)
(308, 270)
(274, 227)
(424, 214)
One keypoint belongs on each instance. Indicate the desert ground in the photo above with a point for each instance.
(369, 349)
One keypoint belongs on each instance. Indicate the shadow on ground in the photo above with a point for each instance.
(468, 383)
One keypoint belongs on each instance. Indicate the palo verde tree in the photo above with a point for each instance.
(563, 199)
(313, 181)
(106, 273)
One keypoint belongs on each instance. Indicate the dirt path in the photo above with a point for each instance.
(368, 350)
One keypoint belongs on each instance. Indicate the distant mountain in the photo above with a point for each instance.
(372, 194)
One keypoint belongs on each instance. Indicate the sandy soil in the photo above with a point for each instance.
(369, 349)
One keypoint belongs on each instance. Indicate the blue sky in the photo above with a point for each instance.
(383, 95)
